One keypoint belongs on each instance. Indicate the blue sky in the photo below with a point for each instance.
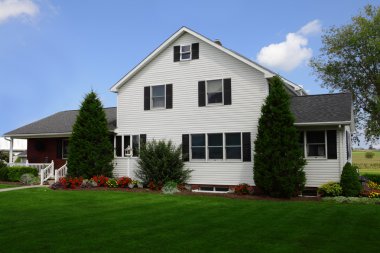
(53, 52)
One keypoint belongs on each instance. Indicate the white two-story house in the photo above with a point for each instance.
(198, 94)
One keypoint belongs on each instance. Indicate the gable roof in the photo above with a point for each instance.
(322, 109)
(58, 124)
(179, 33)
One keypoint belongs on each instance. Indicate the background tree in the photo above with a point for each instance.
(90, 148)
(278, 160)
(349, 61)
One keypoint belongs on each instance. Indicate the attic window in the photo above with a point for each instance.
(185, 52)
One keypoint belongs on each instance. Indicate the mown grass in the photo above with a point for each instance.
(7, 186)
(366, 165)
(43, 220)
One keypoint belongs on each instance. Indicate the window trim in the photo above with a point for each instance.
(63, 153)
(151, 97)
(208, 148)
(191, 148)
(206, 92)
(207, 159)
(122, 145)
(306, 145)
(186, 52)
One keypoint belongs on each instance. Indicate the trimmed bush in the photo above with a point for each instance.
(330, 189)
(4, 173)
(349, 181)
(369, 155)
(15, 173)
(372, 177)
(161, 162)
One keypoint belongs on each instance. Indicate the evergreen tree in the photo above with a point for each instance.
(90, 148)
(278, 160)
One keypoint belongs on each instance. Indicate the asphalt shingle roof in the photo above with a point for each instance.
(307, 109)
(322, 108)
(61, 122)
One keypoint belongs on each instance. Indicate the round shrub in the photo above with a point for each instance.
(372, 177)
(170, 188)
(369, 154)
(330, 189)
(349, 181)
(161, 162)
(28, 178)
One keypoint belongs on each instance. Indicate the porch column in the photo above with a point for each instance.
(11, 151)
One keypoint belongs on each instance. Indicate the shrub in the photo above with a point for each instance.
(278, 161)
(243, 189)
(15, 173)
(4, 173)
(28, 179)
(161, 162)
(349, 181)
(112, 183)
(372, 177)
(369, 154)
(330, 189)
(2, 164)
(170, 188)
(124, 181)
(152, 186)
(100, 180)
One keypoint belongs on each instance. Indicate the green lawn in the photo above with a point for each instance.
(8, 185)
(366, 165)
(43, 220)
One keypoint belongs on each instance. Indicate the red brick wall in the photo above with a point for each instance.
(44, 150)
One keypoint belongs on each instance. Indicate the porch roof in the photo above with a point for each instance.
(58, 124)
(322, 109)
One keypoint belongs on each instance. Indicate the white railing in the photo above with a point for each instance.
(61, 172)
(47, 173)
(38, 166)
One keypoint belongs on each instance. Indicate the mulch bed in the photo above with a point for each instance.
(190, 193)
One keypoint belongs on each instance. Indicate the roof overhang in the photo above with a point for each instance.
(333, 123)
(267, 73)
(40, 135)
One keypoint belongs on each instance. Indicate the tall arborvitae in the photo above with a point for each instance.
(278, 159)
(90, 148)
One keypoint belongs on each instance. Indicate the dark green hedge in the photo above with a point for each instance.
(14, 173)
(372, 177)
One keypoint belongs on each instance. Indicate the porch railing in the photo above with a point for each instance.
(61, 172)
(38, 166)
(47, 172)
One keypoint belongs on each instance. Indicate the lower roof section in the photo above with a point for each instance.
(310, 110)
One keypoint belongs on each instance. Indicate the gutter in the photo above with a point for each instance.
(323, 123)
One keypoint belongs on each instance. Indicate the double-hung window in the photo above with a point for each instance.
(65, 149)
(316, 144)
(215, 91)
(215, 146)
(233, 146)
(198, 146)
(185, 52)
(158, 96)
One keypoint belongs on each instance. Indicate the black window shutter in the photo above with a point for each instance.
(59, 149)
(246, 147)
(331, 144)
(142, 140)
(185, 147)
(195, 51)
(227, 91)
(201, 93)
(147, 98)
(177, 53)
(169, 96)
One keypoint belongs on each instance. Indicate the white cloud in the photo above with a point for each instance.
(17, 8)
(292, 52)
(313, 27)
